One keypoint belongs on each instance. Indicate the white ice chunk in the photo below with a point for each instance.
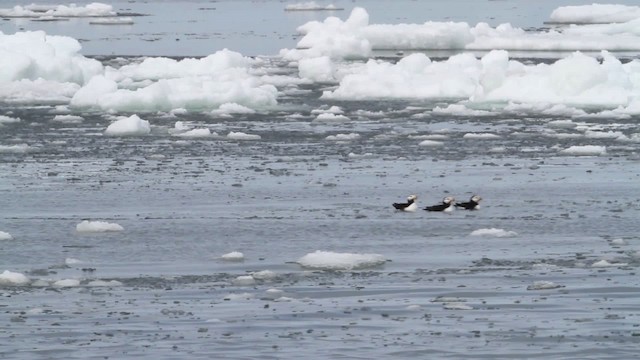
(67, 283)
(13, 278)
(5, 236)
(327, 260)
(584, 150)
(131, 126)
(242, 136)
(343, 137)
(97, 226)
(544, 285)
(233, 256)
(494, 232)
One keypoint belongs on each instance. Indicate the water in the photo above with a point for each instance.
(441, 293)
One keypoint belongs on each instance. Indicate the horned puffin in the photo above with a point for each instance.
(446, 206)
(472, 204)
(410, 205)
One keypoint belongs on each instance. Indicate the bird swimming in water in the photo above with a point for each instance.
(472, 204)
(410, 205)
(447, 205)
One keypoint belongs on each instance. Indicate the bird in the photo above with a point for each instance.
(446, 206)
(410, 205)
(472, 204)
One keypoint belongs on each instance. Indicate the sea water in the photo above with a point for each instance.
(553, 276)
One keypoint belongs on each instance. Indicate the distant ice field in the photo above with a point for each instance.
(162, 198)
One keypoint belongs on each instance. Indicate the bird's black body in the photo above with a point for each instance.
(409, 206)
(439, 207)
(447, 205)
(472, 204)
(402, 206)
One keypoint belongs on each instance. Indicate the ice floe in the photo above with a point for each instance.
(5, 236)
(594, 13)
(480, 136)
(327, 260)
(244, 280)
(238, 135)
(13, 278)
(8, 120)
(87, 226)
(103, 283)
(233, 256)
(18, 148)
(355, 37)
(68, 119)
(494, 232)
(544, 285)
(67, 283)
(431, 143)
(584, 150)
(604, 263)
(343, 137)
(311, 6)
(112, 21)
(128, 126)
(94, 9)
(196, 133)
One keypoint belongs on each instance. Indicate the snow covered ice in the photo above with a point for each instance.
(200, 177)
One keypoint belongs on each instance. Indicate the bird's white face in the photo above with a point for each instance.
(412, 197)
(476, 198)
(448, 200)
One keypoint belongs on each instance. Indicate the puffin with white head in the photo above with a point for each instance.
(447, 205)
(409, 206)
(472, 204)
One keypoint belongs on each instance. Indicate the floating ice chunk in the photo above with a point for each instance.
(68, 119)
(310, 6)
(480, 136)
(414, 307)
(196, 133)
(331, 110)
(264, 275)
(461, 110)
(494, 232)
(13, 278)
(590, 134)
(456, 306)
(103, 283)
(584, 150)
(242, 136)
(94, 9)
(241, 296)
(233, 256)
(244, 280)
(130, 126)
(327, 260)
(232, 108)
(97, 226)
(274, 293)
(544, 285)
(604, 263)
(5, 236)
(67, 283)
(343, 137)
(595, 13)
(330, 118)
(429, 137)
(19, 148)
(112, 21)
(72, 261)
(8, 120)
(319, 69)
(431, 143)
(618, 242)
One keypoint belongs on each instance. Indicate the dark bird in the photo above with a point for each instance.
(410, 205)
(472, 204)
(447, 205)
